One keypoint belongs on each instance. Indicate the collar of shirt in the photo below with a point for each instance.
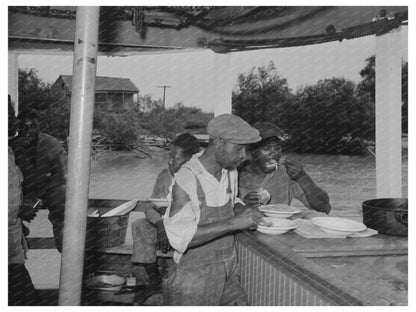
(217, 192)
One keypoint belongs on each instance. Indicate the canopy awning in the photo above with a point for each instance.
(222, 29)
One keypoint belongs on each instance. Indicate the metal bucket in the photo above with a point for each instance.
(386, 215)
(105, 232)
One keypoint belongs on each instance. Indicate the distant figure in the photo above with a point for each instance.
(149, 233)
(283, 180)
(42, 160)
(21, 291)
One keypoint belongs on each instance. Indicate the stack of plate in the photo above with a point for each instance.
(276, 226)
(279, 211)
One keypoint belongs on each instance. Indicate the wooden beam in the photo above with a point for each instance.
(222, 84)
(388, 115)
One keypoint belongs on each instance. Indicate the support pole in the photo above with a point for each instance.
(82, 109)
(13, 87)
(222, 84)
(388, 115)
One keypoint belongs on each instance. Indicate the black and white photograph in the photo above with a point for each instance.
(208, 155)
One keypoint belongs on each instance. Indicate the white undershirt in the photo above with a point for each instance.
(182, 227)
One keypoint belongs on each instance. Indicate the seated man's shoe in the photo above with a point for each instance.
(143, 294)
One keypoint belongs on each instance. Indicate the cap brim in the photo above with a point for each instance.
(244, 141)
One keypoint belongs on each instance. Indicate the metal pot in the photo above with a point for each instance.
(386, 215)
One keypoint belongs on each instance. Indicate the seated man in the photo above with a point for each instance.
(284, 180)
(149, 233)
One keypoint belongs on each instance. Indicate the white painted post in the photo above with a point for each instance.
(13, 79)
(79, 154)
(388, 115)
(222, 84)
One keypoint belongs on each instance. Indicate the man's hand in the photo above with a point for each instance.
(248, 219)
(162, 241)
(294, 168)
(252, 199)
(29, 208)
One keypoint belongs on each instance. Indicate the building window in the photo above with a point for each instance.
(100, 98)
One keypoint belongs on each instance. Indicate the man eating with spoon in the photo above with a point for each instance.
(270, 179)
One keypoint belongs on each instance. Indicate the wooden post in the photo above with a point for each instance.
(82, 109)
(388, 115)
(222, 84)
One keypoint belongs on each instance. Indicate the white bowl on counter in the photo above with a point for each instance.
(338, 226)
(159, 202)
(107, 282)
(276, 226)
(282, 211)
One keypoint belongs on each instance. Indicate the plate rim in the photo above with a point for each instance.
(296, 210)
(294, 226)
(362, 225)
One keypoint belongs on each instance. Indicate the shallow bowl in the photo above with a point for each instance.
(279, 211)
(108, 282)
(277, 226)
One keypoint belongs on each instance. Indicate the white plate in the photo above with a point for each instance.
(106, 282)
(338, 226)
(279, 211)
(159, 202)
(278, 226)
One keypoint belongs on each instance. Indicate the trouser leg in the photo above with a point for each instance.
(198, 286)
(234, 293)
(153, 273)
(144, 241)
(21, 290)
(55, 201)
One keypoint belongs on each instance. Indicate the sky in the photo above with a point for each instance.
(190, 75)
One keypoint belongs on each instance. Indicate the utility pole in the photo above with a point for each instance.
(164, 93)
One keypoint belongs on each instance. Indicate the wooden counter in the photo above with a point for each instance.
(291, 270)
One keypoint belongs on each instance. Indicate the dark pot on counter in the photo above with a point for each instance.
(386, 215)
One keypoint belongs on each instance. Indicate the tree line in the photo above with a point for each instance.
(334, 116)
(123, 128)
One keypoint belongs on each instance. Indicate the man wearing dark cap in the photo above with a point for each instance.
(281, 180)
(200, 221)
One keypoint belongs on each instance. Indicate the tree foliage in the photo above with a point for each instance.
(48, 102)
(367, 86)
(330, 117)
(261, 95)
(122, 128)
(169, 122)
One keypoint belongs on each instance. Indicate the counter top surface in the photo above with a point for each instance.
(372, 269)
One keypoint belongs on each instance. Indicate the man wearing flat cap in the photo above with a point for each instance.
(200, 220)
(269, 180)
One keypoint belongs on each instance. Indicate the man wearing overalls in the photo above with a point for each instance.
(200, 220)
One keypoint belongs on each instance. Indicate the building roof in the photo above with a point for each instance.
(106, 84)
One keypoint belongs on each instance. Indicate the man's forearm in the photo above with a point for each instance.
(207, 232)
(317, 198)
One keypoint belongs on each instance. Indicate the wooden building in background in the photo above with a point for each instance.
(111, 94)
